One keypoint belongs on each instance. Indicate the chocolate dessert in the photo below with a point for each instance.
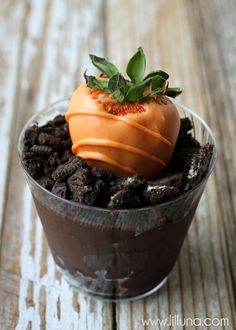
(116, 180)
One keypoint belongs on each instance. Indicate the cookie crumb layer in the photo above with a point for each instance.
(48, 158)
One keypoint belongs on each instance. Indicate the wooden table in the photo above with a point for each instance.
(43, 54)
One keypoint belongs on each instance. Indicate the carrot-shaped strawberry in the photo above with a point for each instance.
(124, 125)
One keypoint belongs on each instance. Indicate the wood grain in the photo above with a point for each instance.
(44, 47)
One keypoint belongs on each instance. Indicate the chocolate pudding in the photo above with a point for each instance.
(116, 254)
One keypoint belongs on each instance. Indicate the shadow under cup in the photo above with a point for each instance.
(116, 254)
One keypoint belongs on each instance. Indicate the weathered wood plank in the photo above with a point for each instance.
(216, 59)
(9, 68)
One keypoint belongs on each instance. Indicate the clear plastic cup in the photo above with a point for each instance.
(116, 254)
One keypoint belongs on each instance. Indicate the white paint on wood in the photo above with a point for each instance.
(27, 266)
(9, 51)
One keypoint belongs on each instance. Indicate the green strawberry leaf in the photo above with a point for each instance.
(136, 66)
(158, 91)
(161, 73)
(158, 79)
(117, 82)
(173, 92)
(118, 87)
(93, 82)
(157, 82)
(107, 68)
(137, 92)
(118, 95)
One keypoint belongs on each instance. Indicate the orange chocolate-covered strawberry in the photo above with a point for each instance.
(124, 126)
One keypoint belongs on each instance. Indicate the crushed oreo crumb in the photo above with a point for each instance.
(197, 166)
(124, 199)
(157, 194)
(48, 158)
(174, 180)
(41, 150)
(46, 139)
(60, 189)
(185, 126)
(46, 182)
(31, 135)
(79, 179)
(64, 171)
(135, 183)
(85, 195)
